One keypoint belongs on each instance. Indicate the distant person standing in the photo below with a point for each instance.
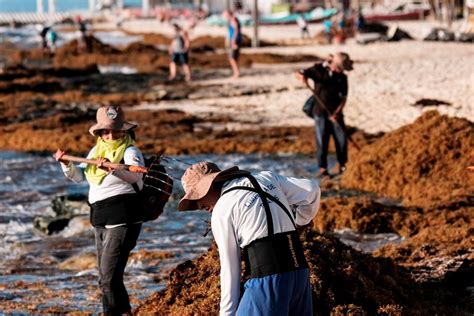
(84, 43)
(44, 41)
(303, 26)
(330, 89)
(359, 22)
(179, 50)
(328, 30)
(340, 29)
(234, 42)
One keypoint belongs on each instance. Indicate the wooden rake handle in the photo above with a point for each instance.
(112, 165)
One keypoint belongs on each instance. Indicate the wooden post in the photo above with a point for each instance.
(357, 5)
(450, 8)
(255, 40)
(91, 5)
(145, 7)
(51, 6)
(465, 11)
(39, 6)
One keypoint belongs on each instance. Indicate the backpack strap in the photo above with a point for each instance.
(267, 195)
(264, 196)
(135, 184)
(135, 187)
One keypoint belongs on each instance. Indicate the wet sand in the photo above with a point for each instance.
(411, 181)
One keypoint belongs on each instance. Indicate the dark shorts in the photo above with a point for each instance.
(180, 58)
(286, 293)
(234, 53)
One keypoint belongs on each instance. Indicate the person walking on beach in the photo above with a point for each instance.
(303, 25)
(44, 41)
(328, 30)
(84, 43)
(178, 51)
(116, 211)
(330, 90)
(258, 212)
(234, 42)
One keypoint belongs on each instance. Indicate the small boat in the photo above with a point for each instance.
(313, 16)
(402, 16)
(402, 12)
(316, 15)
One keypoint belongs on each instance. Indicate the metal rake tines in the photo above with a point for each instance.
(161, 172)
(157, 179)
(159, 168)
(156, 188)
(174, 168)
(156, 166)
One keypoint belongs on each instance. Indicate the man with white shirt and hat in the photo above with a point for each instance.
(259, 213)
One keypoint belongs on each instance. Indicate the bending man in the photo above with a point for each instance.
(258, 212)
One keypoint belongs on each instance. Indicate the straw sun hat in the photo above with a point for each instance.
(198, 179)
(111, 117)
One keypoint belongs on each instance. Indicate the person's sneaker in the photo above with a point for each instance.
(338, 169)
(322, 173)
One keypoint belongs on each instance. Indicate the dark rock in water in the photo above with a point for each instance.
(65, 207)
(49, 225)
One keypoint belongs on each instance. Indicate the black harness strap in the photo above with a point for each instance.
(261, 193)
(264, 196)
(267, 195)
(135, 187)
(275, 253)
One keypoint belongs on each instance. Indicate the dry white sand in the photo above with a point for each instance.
(388, 78)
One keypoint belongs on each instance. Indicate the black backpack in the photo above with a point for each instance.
(156, 191)
(309, 106)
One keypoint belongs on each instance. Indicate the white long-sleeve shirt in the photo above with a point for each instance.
(238, 218)
(115, 183)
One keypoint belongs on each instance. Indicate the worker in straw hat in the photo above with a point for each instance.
(116, 210)
(259, 213)
(330, 94)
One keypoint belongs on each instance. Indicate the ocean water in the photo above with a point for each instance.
(61, 5)
(27, 37)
